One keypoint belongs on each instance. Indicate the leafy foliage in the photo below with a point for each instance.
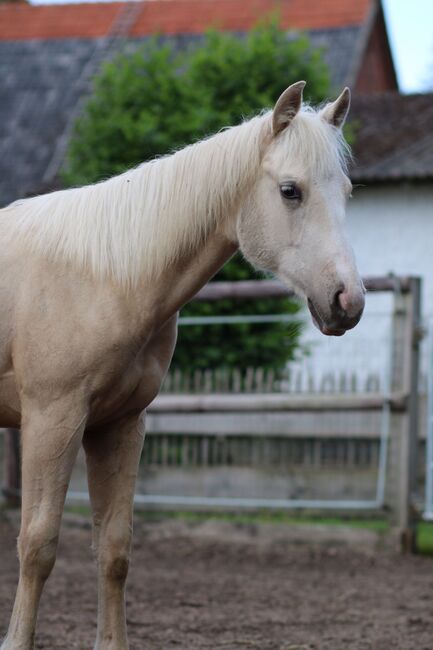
(157, 100)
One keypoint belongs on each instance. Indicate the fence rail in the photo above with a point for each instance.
(276, 402)
(273, 289)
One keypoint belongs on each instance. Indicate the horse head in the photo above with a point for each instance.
(292, 221)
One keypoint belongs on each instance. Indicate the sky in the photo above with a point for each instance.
(410, 30)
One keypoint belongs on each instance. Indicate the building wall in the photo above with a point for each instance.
(376, 72)
(391, 230)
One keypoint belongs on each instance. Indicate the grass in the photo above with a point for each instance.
(425, 538)
(378, 524)
(269, 517)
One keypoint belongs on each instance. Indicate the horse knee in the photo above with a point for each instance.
(114, 564)
(114, 550)
(117, 568)
(37, 550)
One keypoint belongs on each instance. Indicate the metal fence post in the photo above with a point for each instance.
(428, 512)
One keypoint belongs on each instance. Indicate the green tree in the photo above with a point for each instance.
(159, 99)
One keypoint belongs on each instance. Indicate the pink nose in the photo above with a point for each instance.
(352, 303)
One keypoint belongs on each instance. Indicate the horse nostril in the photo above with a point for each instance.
(347, 307)
(340, 299)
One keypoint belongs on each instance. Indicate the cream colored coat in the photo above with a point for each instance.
(90, 288)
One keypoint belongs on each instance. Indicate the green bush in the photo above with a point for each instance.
(157, 100)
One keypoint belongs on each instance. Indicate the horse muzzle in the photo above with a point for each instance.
(343, 314)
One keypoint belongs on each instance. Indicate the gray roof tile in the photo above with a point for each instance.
(393, 137)
(38, 90)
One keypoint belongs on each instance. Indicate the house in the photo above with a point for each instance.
(48, 53)
(390, 218)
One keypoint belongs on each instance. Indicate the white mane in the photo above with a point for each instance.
(135, 224)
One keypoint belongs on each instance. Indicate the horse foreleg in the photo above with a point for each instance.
(112, 457)
(51, 438)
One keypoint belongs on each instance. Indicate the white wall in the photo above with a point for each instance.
(391, 230)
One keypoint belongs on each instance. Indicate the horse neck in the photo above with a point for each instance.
(182, 280)
(198, 190)
(174, 216)
(224, 166)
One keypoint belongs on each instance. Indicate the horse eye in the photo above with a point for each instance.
(291, 191)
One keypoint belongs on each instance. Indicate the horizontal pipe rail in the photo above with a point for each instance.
(247, 289)
(237, 502)
(155, 429)
(232, 403)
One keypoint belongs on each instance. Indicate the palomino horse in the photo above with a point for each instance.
(91, 280)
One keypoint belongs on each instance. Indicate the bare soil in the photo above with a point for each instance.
(221, 586)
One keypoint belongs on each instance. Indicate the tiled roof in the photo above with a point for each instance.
(40, 86)
(393, 137)
(192, 16)
(93, 20)
(42, 81)
(24, 22)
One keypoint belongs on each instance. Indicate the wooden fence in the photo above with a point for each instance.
(250, 419)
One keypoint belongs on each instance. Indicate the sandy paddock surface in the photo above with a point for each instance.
(224, 586)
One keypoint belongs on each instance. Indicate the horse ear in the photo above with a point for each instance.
(287, 106)
(336, 112)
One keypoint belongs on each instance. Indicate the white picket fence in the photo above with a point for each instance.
(299, 379)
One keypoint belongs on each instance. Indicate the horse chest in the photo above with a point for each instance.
(137, 383)
(118, 397)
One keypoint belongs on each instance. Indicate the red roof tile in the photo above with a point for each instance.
(23, 21)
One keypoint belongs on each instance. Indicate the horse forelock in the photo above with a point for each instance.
(312, 141)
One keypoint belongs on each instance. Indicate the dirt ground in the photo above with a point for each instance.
(218, 585)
